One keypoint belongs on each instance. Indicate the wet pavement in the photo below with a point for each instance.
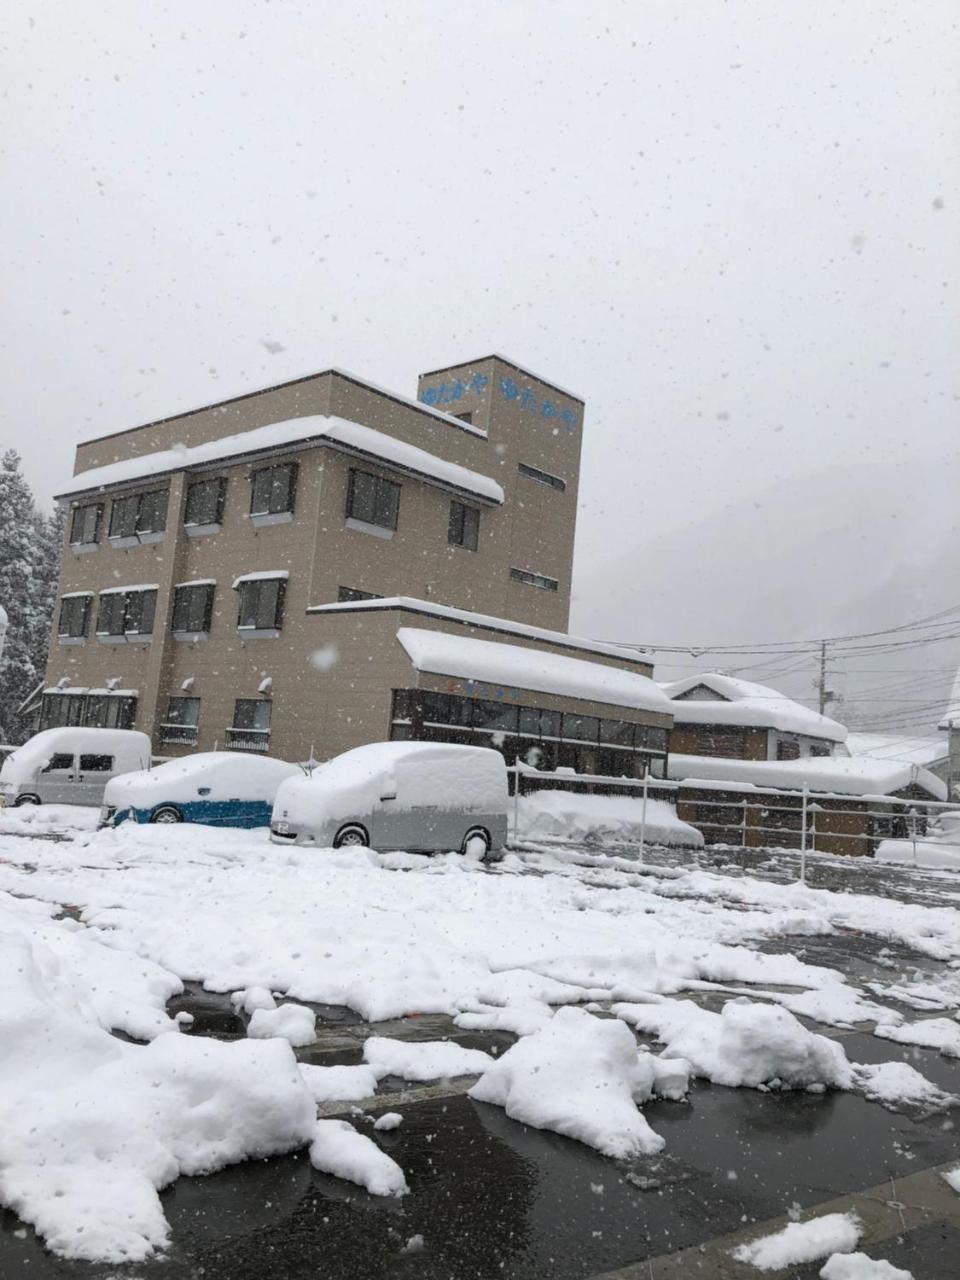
(494, 1198)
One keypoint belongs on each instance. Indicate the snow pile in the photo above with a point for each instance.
(933, 1033)
(952, 1178)
(48, 819)
(582, 1077)
(600, 819)
(801, 1242)
(292, 1022)
(389, 1120)
(745, 1045)
(253, 998)
(92, 1127)
(897, 1084)
(338, 1149)
(859, 1266)
(423, 1060)
(339, 1084)
(932, 854)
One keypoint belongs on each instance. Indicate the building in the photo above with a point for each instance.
(716, 715)
(324, 563)
(931, 754)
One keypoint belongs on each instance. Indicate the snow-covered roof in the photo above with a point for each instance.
(196, 582)
(741, 702)
(487, 620)
(316, 429)
(138, 586)
(886, 746)
(491, 662)
(846, 775)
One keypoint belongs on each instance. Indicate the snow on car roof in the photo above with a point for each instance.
(493, 662)
(741, 702)
(846, 775)
(230, 775)
(126, 743)
(353, 437)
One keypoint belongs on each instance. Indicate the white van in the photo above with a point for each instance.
(418, 796)
(70, 765)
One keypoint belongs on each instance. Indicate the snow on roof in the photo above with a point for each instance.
(885, 746)
(847, 775)
(130, 746)
(75, 595)
(196, 582)
(492, 662)
(741, 702)
(487, 620)
(137, 586)
(259, 577)
(317, 429)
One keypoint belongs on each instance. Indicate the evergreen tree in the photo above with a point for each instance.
(30, 546)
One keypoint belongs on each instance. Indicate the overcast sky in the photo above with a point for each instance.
(730, 227)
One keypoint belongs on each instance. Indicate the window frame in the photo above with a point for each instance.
(132, 606)
(542, 477)
(252, 737)
(67, 607)
(216, 516)
(349, 595)
(266, 477)
(255, 587)
(81, 511)
(136, 502)
(463, 525)
(183, 604)
(176, 730)
(384, 507)
(529, 578)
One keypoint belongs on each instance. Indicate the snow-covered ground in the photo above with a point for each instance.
(389, 935)
(938, 849)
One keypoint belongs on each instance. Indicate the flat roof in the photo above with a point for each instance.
(512, 364)
(466, 617)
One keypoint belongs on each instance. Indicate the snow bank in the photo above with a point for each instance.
(599, 819)
(254, 998)
(48, 819)
(897, 1084)
(339, 1084)
(582, 1077)
(952, 1178)
(932, 1033)
(801, 1242)
(92, 1127)
(859, 1266)
(931, 854)
(337, 1148)
(292, 1022)
(745, 1045)
(424, 1059)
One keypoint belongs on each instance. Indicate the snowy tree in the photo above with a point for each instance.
(29, 568)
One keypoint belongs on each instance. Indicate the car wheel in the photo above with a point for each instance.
(26, 799)
(166, 813)
(476, 843)
(351, 836)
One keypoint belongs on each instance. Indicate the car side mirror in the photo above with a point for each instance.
(203, 791)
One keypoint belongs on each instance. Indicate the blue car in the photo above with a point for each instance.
(216, 788)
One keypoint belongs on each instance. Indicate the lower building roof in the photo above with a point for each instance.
(514, 666)
(844, 775)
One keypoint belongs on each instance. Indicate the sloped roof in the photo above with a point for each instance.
(741, 702)
(844, 775)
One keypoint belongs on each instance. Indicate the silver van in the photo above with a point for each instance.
(423, 797)
(70, 765)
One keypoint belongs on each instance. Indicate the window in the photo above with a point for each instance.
(126, 613)
(534, 579)
(345, 594)
(85, 525)
(581, 728)
(787, 749)
(261, 604)
(653, 739)
(193, 607)
(373, 500)
(74, 614)
(616, 733)
(273, 490)
(465, 417)
(59, 760)
(543, 477)
(181, 722)
(106, 711)
(463, 529)
(204, 503)
(140, 513)
(250, 730)
(96, 764)
(498, 716)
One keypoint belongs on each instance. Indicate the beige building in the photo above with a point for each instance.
(323, 563)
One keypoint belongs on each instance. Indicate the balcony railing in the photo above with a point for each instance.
(248, 739)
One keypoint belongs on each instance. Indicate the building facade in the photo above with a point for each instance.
(321, 564)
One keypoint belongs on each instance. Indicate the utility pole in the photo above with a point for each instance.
(822, 686)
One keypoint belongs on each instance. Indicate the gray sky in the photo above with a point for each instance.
(731, 227)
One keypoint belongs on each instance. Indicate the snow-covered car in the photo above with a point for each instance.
(423, 797)
(70, 765)
(216, 788)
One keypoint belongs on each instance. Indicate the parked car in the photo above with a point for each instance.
(418, 796)
(70, 765)
(217, 788)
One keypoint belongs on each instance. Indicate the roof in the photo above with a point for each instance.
(886, 746)
(847, 775)
(510, 665)
(316, 429)
(741, 702)
(429, 607)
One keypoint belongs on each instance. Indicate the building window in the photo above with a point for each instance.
(465, 417)
(261, 604)
(373, 500)
(463, 529)
(97, 711)
(85, 525)
(535, 579)
(74, 615)
(250, 730)
(542, 477)
(193, 607)
(126, 613)
(787, 749)
(204, 505)
(580, 728)
(140, 513)
(182, 721)
(273, 490)
(346, 594)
